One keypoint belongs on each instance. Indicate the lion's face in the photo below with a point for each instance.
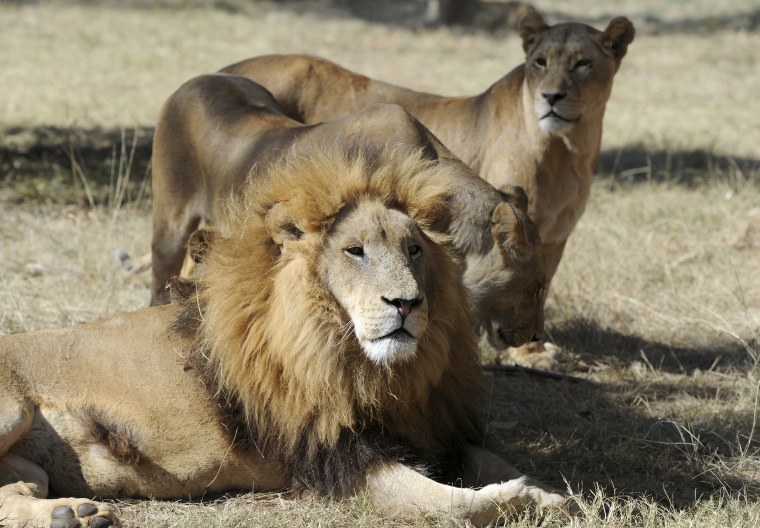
(569, 69)
(375, 265)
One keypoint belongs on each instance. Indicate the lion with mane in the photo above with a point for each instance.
(322, 345)
(215, 127)
(538, 127)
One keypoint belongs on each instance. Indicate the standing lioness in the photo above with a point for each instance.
(539, 127)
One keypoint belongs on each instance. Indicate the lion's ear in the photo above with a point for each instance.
(531, 28)
(435, 217)
(617, 36)
(511, 230)
(281, 225)
(515, 195)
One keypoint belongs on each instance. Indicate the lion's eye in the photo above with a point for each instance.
(356, 251)
(540, 62)
(415, 251)
(583, 63)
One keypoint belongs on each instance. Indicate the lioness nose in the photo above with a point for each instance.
(553, 97)
(404, 306)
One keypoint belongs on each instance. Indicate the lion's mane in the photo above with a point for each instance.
(281, 353)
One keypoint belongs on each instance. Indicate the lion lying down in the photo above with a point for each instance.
(214, 128)
(323, 340)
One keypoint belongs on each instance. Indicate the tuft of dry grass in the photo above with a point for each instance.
(656, 302)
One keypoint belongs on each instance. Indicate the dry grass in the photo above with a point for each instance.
(657, 300)
(96, 66)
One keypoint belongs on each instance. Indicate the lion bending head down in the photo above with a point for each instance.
(335, 315)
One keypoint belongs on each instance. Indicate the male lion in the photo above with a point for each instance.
(538, 127)
(323, 341)
(214, 128)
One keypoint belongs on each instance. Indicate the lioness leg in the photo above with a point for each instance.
(397, 490)
(168, 250)
(539, 354)
(23, 502)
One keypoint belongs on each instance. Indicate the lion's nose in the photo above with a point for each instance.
(404, 306)
(553, 97)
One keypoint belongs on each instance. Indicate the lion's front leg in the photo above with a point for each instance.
(23, 488)
(397, 490)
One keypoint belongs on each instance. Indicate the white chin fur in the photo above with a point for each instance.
(390, 349)
(552, 125)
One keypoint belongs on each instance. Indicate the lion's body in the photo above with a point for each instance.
(215, 128)
(113, 377)
(323, 338)
(510, 134)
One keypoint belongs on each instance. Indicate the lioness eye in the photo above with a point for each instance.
(356, 251)
(415, 251)
(540, 62)
(583, 63)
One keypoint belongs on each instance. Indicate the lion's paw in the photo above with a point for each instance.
(82, 514)
(542, 356)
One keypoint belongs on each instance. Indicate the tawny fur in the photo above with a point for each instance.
(256, 379)
(502, 133)
(267, 321)
(214, 128)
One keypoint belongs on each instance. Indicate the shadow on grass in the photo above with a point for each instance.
(65, 165)
(672, 433)
(608, 346)
(53, 164)
(590, 434)
(633, 164)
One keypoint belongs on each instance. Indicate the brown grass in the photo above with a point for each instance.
(657, 300)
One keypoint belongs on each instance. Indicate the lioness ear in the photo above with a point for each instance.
(280, 225)
(531, 27)
(617, 36)
(515, 195)
(512, 230)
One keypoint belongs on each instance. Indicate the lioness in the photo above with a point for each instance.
(214, 128)
(323, 340)
(538, 127)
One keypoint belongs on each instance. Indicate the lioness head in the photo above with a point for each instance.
(508, 284)
(569, 68)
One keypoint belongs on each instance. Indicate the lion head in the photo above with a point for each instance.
(569, 69)
(332, 313)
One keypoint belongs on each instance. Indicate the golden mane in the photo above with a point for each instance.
(282, 349)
